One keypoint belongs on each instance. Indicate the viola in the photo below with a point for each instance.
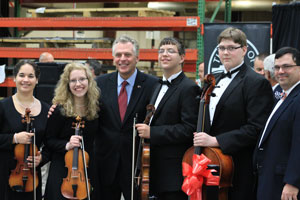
(23, 178)
(76, 185)
(220, 162)
(143, 163)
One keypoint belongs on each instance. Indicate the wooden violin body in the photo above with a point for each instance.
(143, 163)
(76, 185)
(23, 178)
(145, 175)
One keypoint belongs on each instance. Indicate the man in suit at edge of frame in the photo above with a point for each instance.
(277, 157)
(238, 111)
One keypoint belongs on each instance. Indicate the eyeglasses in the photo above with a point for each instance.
(168, 51)
(229, 49)
(283, 67)
(80, 80)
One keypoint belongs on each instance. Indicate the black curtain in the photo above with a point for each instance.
(286, 25)
(4, 13)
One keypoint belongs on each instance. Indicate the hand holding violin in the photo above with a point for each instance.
(75, 141)
(202, 139)
(143, 130)
(37, 160)
(23, 137)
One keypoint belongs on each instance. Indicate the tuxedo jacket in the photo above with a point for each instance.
(239, 117)
(113, 143)
(171, 133)
(278, 157)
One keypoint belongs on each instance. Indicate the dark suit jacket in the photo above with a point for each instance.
(113, 143)
(278, 157)
(277, 93)
(239, 117)
(171, 133)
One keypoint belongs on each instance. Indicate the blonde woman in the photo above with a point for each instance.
(76, 94)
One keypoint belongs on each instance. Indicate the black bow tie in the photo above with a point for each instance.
(164, 82)
(229, 74)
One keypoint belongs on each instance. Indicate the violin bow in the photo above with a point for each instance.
(85, 169)
(133, 156)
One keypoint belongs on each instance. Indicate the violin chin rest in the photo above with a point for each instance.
(17, 188)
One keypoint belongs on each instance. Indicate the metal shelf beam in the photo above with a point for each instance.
(111, 23)
(84, 54)
(8, 82)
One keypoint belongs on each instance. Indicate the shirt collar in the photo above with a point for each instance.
(172, 77)
(289, 90)
(225, 71)
(130, 80)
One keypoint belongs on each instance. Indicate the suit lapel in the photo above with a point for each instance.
(113, 95)
(227, 93)
(155, 94)
(279, 111)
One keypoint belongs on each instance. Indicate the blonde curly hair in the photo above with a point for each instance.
(64, 96)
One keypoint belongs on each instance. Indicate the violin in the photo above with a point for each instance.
(220, 162)
(143, 164)
(76, 185)
(22, 178)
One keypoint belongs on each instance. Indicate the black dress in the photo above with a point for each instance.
(10, 123)
(58, 133)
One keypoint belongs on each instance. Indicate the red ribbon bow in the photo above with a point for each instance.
(197, 175)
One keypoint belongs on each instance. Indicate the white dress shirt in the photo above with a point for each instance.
(219, 90)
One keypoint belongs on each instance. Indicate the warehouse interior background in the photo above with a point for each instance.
(19, 41)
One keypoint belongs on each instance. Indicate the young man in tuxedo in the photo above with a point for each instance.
(124, 94)
(277, 155)
(238, 111)
(173, 123)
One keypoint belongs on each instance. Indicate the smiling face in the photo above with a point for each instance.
(26, 79)
(286, 76)
(78, 83)
(169, 58)
(231, 59)
(125, 59)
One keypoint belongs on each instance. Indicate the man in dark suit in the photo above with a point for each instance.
(238, 111)
(174, 121)
(113, 143)
(277, 154)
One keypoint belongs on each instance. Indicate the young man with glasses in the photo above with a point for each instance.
(277, 154)
(238, 111)
(172, 126)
